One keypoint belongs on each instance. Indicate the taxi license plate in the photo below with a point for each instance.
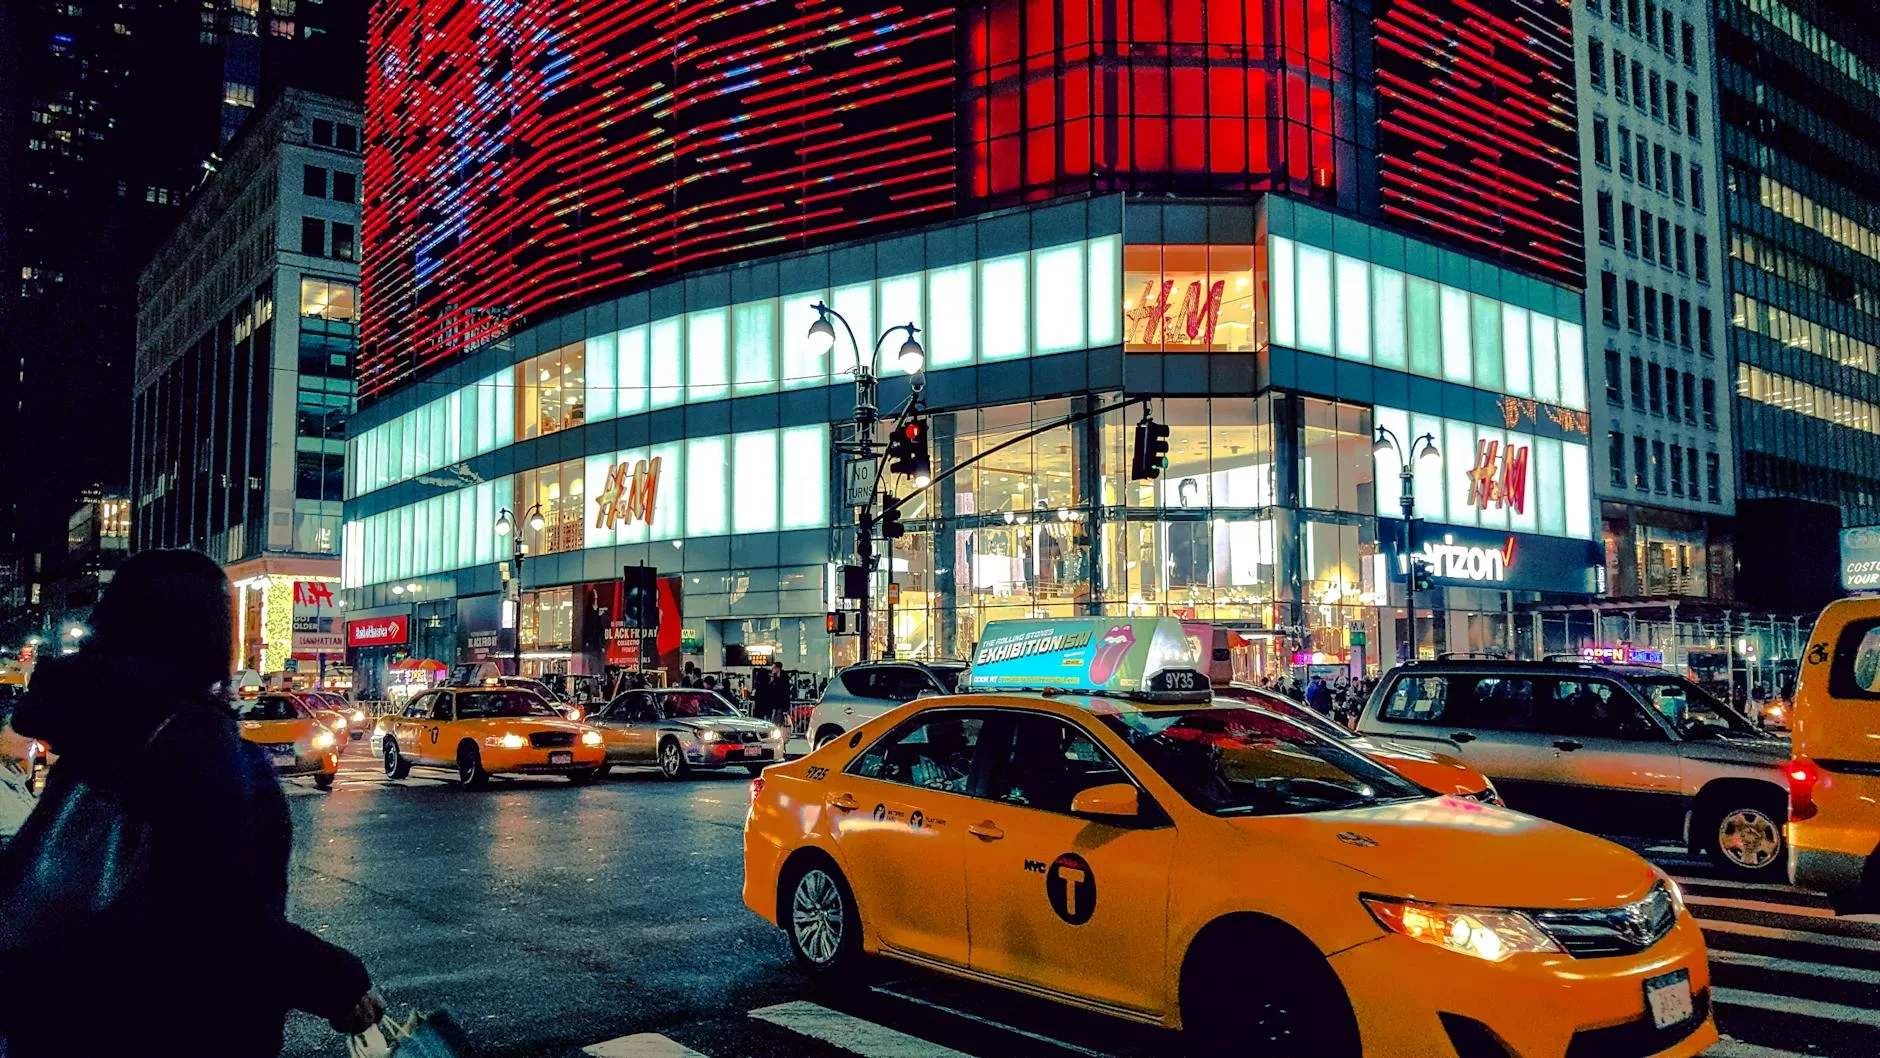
(562, 757)
(285, 760)
(756, 751)
(1668, 997)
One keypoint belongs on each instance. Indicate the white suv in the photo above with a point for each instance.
(864, 691)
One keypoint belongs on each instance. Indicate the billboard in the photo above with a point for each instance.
(1860, 559)
(316, 628)
(526, 157)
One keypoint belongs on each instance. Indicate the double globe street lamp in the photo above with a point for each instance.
(505, 526)
(912, 360)
(1422, 450)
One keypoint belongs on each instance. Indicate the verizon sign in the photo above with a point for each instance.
(378, 631)
(1459, 562)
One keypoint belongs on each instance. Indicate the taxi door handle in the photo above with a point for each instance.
(1567, 744)
(987, 831)
(1461, 736)
(845, 803)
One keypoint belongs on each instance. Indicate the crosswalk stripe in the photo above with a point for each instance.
(641, 1045)
(1014, 1029)
(1739, 1049)
(850, 1033)
(1841, 1012)
(1826, 940)
(1795, 966)
(1732, 883)
(1759, 905)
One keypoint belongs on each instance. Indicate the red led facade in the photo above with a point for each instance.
(1063, 96)
(1477, 140)
(525, 155)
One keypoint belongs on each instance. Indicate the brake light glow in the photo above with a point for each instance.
(1803, 775)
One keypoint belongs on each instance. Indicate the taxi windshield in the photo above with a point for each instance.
(685, 704)
(1232, 760)
(269, 708)
(1692, 711)
(477, 705)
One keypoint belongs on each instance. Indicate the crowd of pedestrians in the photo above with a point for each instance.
(1339, 699)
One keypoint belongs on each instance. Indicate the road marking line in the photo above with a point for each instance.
(1731, 883)
(1014, 1029)
(1841, 1012)
(1796, 966)
(1759, 905)
(1798, 936)
(641, 1045)
(1679, 849)
(1738, 1049)
(851, 1033)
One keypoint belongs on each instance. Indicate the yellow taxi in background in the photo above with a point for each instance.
(1834, 778)
(295, 739)
(1439, 772)
(483, 731)
(1083, 824)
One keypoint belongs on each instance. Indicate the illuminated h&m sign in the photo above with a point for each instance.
(1503, 483)
(629, 494)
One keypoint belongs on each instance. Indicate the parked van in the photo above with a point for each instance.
(1834, 778)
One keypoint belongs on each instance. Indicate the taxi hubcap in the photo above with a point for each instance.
(1749, 838)
(816, 915)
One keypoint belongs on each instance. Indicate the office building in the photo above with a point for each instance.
(247, 326)
(591, 318)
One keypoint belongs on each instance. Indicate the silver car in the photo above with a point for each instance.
(868, 689)
(1609, 749)
(678, 729)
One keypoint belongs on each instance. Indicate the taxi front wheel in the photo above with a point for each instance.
(470, 771)
(1257, 992)
(323, 782)
(396, 766)
(820, 917)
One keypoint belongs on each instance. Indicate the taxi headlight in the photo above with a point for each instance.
(1677, 894)
(709, 735)
(359, 716)
(339, 724)
(507, 740)
(590, 738)
(323, 740)
(1485, 932)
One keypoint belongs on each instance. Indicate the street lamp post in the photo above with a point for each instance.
(505, 526)
(1421, 449)
(912, 360)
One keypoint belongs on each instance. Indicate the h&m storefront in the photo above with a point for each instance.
(691, 428)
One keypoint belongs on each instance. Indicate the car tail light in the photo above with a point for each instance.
(1803, 775)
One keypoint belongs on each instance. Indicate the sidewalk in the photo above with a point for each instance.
(15, 801)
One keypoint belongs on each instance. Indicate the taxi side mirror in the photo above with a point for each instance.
(1116, 800)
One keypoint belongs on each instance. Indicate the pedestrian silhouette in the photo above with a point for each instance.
(143, 904)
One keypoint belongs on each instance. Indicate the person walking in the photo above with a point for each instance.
(1319, 697)
(143, 905)
(773, 695)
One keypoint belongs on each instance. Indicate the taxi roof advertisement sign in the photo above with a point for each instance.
(1085, 653)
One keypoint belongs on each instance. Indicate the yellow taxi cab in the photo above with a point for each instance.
(296, 740)
(1439, 772)
(1834, 778)
(483, 731)
(1083, 823)
(29, 756)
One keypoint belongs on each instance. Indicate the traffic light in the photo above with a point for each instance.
(907, 452)
(1150, 456)
(891, 527)
(1420, 571)
(837, 621)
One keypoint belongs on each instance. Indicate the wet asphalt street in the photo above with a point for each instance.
(550, 918)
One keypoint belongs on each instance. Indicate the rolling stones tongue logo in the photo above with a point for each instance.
(1110, 652)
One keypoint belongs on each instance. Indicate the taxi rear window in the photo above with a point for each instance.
(268, 708)
(1855, 672)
